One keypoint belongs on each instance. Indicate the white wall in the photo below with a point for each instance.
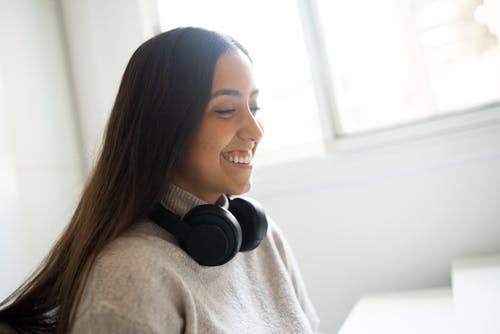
(101, 37)
(40, 165)
(387, 218)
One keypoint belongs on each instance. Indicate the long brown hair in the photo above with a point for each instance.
(162, 96)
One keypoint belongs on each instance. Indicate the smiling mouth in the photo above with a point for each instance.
(243, 158)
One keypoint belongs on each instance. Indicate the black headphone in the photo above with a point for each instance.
(212, 235)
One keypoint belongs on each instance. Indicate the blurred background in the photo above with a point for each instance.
(381, 160)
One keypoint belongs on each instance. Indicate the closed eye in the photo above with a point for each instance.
(225, 111)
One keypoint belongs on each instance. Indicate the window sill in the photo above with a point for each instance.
(442, 125)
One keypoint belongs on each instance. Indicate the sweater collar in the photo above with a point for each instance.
(179, 201)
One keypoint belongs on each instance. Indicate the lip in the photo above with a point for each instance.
(242, 166)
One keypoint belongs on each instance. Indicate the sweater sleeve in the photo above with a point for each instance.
(104, 319)
(296, 277)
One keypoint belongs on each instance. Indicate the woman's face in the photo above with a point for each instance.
(218, 160)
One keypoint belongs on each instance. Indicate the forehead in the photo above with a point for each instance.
(233, 70)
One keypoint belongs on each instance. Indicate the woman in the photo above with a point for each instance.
(182, 134)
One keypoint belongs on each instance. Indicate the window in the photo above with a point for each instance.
(393, 62)
(272, 32)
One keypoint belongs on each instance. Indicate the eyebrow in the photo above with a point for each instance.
(232, 92)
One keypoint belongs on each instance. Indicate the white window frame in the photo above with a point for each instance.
(334, 141)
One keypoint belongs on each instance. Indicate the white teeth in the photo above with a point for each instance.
(246, 159)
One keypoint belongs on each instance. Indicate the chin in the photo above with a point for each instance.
(240, 190)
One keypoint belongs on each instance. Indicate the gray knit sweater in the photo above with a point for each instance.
(143, 282)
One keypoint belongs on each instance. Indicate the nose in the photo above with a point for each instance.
(251, 129)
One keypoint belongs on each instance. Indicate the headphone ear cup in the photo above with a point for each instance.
(252, 219)
(215, 237)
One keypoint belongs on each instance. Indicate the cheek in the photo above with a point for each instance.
(215, 139)
(210, 141)
(209, 145)
(207, 149)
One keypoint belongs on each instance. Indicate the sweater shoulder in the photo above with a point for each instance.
(142, 249)
(277, 241)
(138, 265)
(133, 276)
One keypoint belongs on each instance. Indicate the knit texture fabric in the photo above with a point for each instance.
(143, 282)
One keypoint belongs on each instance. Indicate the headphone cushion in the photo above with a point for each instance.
(215, 236)
(252, 219)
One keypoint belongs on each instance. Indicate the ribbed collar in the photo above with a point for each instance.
(179, 201)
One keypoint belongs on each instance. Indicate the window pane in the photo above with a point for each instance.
(397, 61)
(271, 31)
